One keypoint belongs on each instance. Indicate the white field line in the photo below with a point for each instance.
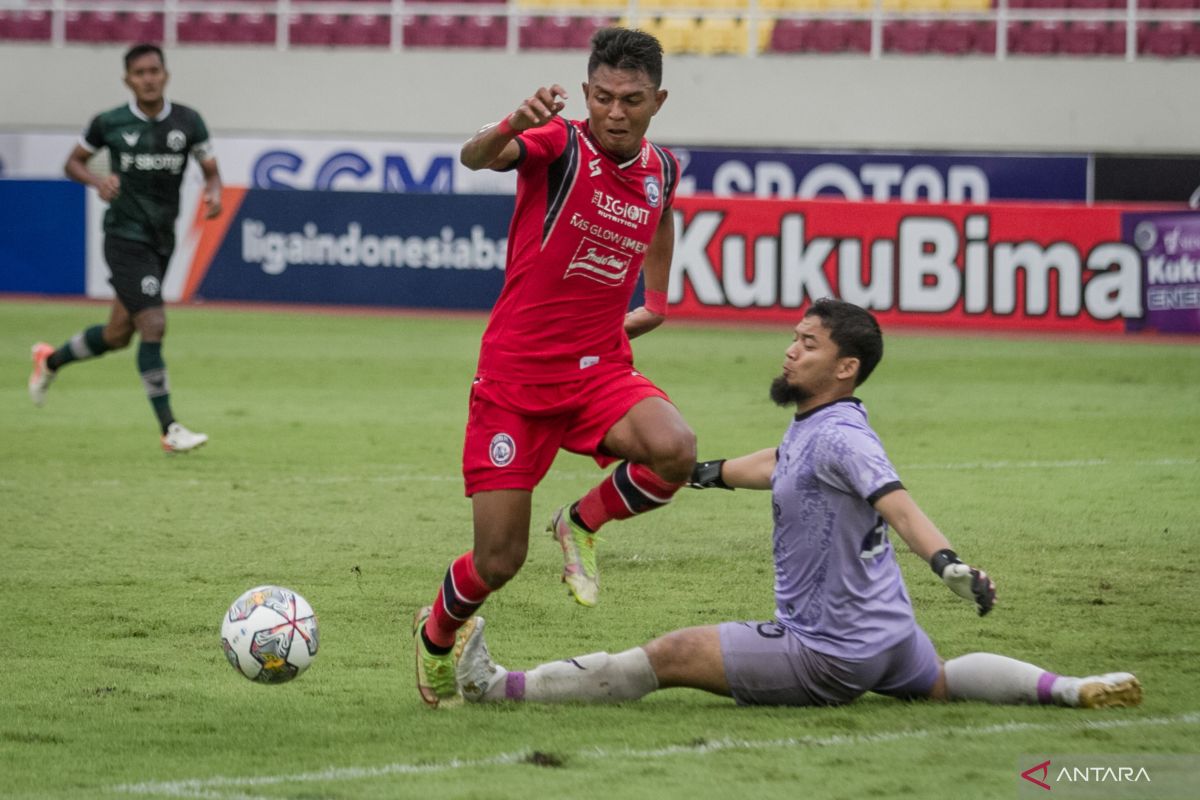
(227, 788)
(573, 475)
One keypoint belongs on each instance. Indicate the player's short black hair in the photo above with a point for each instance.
(627, 49)
(854, 330)
(139, 50)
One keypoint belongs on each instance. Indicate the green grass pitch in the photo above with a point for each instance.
(1068, 469)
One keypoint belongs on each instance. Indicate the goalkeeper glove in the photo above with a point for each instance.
(964, 580)
(707, 475)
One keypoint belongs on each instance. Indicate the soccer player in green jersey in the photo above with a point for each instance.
(149, 141)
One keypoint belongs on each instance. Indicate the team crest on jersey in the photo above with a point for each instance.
(653, 191)
(599, 262)
(150, 286)
(502, 450)
(176, 140)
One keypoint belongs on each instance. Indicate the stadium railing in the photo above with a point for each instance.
(742, 28)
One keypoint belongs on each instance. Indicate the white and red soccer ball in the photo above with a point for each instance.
(269, 634)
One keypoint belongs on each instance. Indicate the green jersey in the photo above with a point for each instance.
(149, 155)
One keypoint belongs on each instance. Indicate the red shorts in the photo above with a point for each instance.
(515, 430)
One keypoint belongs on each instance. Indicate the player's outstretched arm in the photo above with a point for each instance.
(751, 471)
(918, 531)
(492, 147)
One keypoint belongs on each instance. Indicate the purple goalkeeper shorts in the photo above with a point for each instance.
(767, 665)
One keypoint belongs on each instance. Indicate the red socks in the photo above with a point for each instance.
(631, 489)
(461, 595)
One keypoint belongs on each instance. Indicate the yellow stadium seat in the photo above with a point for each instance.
(654, 6)
(847, 5)
(721, 36)
(802, 5)
(765, 28)
(677, 34)
(922, 6)
(968, 5)
(720, 5)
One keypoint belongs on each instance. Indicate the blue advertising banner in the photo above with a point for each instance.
(1170, 247)
(417, 251)
(911, 177)
(42, 236)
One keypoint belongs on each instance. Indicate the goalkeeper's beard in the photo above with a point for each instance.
(785, 394)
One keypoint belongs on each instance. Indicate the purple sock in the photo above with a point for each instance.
(1045, 682)
(514, 686)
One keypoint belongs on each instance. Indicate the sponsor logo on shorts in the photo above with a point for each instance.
(176, 140)
(588, 361)
(502, 450)
(599, 262)
(150, 286)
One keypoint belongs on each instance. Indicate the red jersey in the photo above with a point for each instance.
(579, 234)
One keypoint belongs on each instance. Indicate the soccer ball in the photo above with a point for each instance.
(270, 634)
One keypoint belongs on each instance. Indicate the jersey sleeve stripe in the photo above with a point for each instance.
(668, 172)
(884, 490)
(562, 175)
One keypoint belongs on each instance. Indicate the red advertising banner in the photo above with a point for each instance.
(1001, 266)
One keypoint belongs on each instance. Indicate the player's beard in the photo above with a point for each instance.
(785, 394)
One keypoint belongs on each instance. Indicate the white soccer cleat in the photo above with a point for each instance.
(42, 376)
(476, 673)
(1114, 690)
(179, 439)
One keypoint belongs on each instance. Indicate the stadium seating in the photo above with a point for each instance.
(444, 30)
(1034, 38)
(226, 28)
(1165, 28)
(908, 36)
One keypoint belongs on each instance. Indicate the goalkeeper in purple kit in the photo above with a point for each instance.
(844, 624)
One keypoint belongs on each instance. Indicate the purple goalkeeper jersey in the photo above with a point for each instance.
(837, 583)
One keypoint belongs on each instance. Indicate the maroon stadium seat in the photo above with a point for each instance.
(27, 26)
(790, 36)
(429, 30)
(138, 26)
(1081, 38)
(312, 29)
(253, 29)
(481, 30)
(580, 30)
(1039, 37)
(953, 37)
(908, 36)
(90, 26)
(1164, 39)
(545, 33)
(1181, 5)
(364, 30)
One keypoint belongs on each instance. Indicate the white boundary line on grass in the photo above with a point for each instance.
(218, 788)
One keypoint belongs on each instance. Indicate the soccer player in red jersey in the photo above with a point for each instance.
(555, 366)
